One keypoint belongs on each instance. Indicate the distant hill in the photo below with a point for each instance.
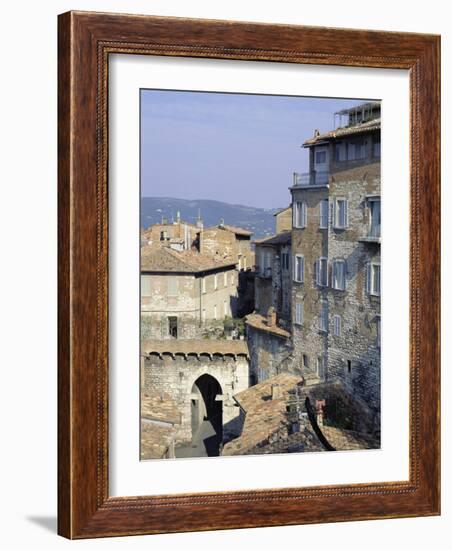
(260, 221)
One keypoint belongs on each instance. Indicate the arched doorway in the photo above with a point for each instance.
(207, 414)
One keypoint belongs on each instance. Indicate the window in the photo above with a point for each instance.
(377, 149)
(349, 366)
(173, 286)
(341, 152)
(172, 327)
(337, 325)
(320, 365)
(265, 263)
(215, 281)
(225, 279)
(378, 331)
(341, 214)
(356, 151)
(305, 361)
(145, 285)
(373, 279)
(285, 260)
(339, 268)
(300, 214)
(374, 217)
(320, 157)
(323, 214)
(203, 285)
(323, 319)
(299, 313)
(298, 271)
(321, 272)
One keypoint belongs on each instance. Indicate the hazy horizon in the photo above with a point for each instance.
(235, 148)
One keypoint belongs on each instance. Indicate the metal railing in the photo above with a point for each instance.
(310, 178)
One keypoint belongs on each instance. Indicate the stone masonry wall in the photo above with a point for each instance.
(177, 375)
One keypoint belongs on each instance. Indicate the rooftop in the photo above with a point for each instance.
(155, 439)
(264, 415)
(160, 407)
(279, 239)
(195, 347)
(360, 128)
(259, 322)
(233, 229)
(162, 259)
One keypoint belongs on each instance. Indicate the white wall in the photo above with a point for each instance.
(28, 274)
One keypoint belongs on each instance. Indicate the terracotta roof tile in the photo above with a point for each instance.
(279, 239)
(163, 259)
(369, 126)
(259, 322)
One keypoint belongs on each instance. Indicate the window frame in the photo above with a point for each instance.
(301, 221)
(324, 215)
(323, 317)
(318, 264)
(336, 262)
(337, 325)
(299, 313)
(337, 200)
(370, 278)
(295, 270)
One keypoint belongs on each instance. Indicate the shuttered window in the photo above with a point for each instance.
(299, 313)
(300, 214)
(298, 274)
(339, 269)
(323, 318)
(323, 223)
(146, 285)
(321, 272)
(340, 214)
(173, 286)
(337, 325)
(373, 279)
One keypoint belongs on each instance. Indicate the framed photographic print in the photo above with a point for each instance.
(248, 275)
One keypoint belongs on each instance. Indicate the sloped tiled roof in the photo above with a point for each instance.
(368, 126)
(237, 230)
(163, 259)
(259, 322)
(159, 406)
(279, 239)
(155, 439)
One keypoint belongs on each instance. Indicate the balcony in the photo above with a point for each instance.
(373, 236)
(310, 179)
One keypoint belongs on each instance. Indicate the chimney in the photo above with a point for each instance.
(319, 406)
(271, 317)
(276, 392)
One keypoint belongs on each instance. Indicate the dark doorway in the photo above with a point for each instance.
(207, 414)
(172, 327)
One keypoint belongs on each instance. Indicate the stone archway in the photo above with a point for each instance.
(207, 414)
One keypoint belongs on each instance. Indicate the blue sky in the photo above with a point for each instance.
(235, 148)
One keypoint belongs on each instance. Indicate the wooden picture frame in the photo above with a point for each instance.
(86, 40)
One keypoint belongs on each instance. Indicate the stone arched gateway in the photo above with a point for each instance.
(174, 366)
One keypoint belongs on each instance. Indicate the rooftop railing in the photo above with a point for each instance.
(310, 178)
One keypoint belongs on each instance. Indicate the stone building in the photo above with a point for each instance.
(184, 294)
(336, 255)
(179, 235)
(327, 269)
(283, 220)
(200, 377)
(224, 240)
